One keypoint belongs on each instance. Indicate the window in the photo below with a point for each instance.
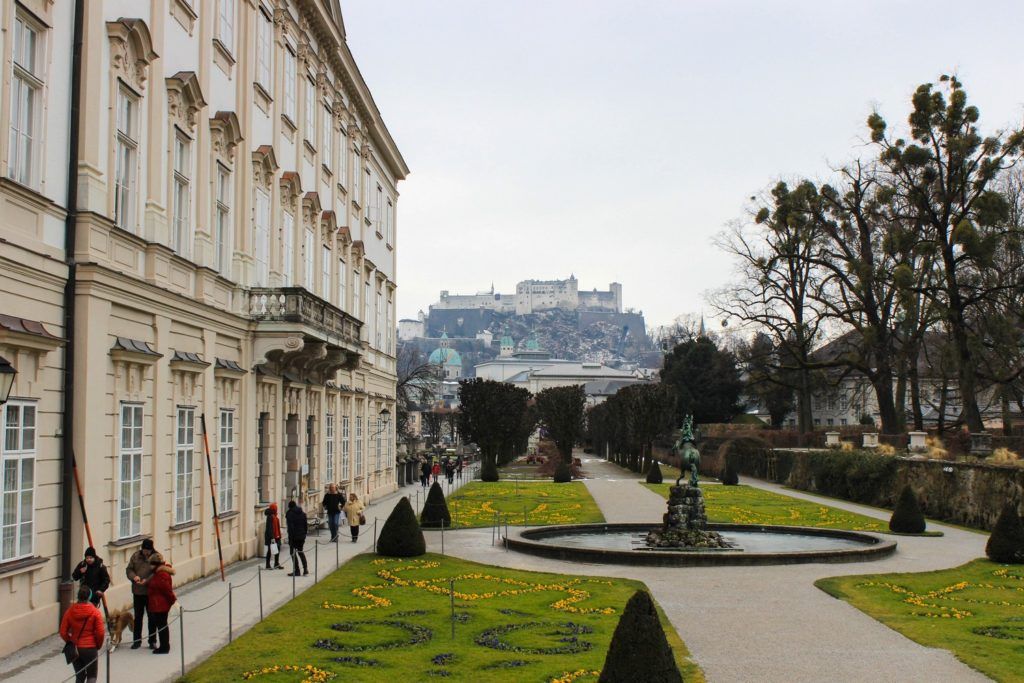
(359, 445)
(830, 422)
(329, 440)
(288, 241)
(181, 238)
(184, 452)
(378, 325)
(379, 432)
(262, 474)
(26, 95)
(343, 164)
(262, 229)
(126, 160)
(326, 148)
(341, 284)
(355, 294)
(310, 111)
(264, 54)
(222, 223)
(378, 210)
(389, 223)
(843, 422)
(308, 258)
(364, 200)
(357, 178)
(289, 84)
(226, 24)
(325, 273)
(226, 464)
(367, 320)
(129, 502)
(17, 496)
(310, 450)
(344, 447)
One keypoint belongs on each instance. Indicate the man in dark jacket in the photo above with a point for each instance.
(332, 503)
(91, 572)
(298, 527)
(138, 571)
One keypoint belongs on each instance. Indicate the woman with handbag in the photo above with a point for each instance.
(83, 634)
(354, 512)
(160, 596)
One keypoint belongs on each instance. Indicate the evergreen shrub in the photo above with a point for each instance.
(401, 535)
(907, 517)
(1006, 544)
(639, 650)
(654, 473)
(435, 509)
(729, 477)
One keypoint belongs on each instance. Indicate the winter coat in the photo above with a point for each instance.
(425, 468)
(83, 625)
(161, 589)
(353, 509)
(298, 524)
(332, 502)
(138, 566)
(272, 532)
(437, 468)
(95, 576)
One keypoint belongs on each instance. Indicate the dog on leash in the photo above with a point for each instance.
(116, 625)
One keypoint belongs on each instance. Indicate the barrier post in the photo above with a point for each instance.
(316, 561)
(337, 561)
(374, 534)
(506, 534)
(442, 537)
(230, 598)
(108, 665)
(451, 592)
(181, 635)
(259, 584)
(293, 580)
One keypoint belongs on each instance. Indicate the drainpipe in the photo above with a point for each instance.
(66, 585)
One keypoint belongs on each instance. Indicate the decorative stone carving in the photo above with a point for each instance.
(311, 209)
(291, 190)
(131, 51)
(225, 134)
(264, 166)
(184, 99)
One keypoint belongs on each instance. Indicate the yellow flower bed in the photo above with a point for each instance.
(534, 503)
(310, 673)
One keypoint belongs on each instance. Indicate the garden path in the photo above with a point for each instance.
(207, 631)
(762, 623)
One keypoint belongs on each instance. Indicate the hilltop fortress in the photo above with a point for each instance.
(533, 296)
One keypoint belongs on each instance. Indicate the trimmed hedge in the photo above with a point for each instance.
(401, 535)
(435, 509)
(1006, 544)
(654, 473)
(729, 477)
(907, 517)
(639, 650)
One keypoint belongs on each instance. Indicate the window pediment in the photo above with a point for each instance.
(131, 51)
(291, 189)
(226, 133)
(184, 99)
(264, 166)
(311, 209)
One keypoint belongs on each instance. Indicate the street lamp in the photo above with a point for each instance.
(384, 416)
(7, 373)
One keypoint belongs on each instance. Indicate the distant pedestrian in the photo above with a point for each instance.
(424, 472)
(332, 503)
(298, 526)
(354, 512)
(160, 599)
(458, 468)
(92, 574)
(449, 471)
(82, 630)
(139, 571)
(272, 536)
(436, 471)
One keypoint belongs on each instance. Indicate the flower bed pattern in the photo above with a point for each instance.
(395, 624)
(976, 611)
(750, 505)
(538, 503)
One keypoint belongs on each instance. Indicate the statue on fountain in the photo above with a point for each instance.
(684, 525)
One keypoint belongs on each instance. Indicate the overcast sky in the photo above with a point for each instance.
(615, 139)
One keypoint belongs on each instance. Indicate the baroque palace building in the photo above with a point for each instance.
(197, 246)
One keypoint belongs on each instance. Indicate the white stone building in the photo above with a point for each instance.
(537, 295)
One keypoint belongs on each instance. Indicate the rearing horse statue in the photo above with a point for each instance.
(689, 456)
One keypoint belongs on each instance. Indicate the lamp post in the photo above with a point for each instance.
(7, 373)
(385, 417)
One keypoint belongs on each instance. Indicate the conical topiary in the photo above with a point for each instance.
(907, 517)
(1006, 544)
(654, 473)
(435, 510)
(639, 650)
(401, 535)
(563, 472)
(488, 470)
(729, 477)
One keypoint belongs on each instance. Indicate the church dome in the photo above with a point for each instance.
(445, 357)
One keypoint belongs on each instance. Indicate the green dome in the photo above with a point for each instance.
(445, 357)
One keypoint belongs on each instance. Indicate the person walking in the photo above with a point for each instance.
(272, 536)
(424, 472)
(449, 471)
(82, 629)
(332, 503)
(458, 468)
(436, 471)
(160, 596)
(298, 527)
(354, 512)
(138, 571)
(92, 574)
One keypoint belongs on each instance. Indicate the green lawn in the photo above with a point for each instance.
(976, 611)
(749, 505)
(538, 503)
(379, 619)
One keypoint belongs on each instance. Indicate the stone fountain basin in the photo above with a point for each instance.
(610, 543)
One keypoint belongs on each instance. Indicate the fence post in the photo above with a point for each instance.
(451, 592)
(506, 534)
(259, 584)
(230, 599)
(181, 635)
(108, 664)
(374, 534)
(316, 561)
(337, 562)
(293, 579)
(492, 529)
(442, 537)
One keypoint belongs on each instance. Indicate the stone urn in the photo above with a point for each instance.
(871, 440)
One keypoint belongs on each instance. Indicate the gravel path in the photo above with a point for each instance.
(762, 623)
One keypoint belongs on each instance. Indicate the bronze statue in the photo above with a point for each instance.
(689, 456)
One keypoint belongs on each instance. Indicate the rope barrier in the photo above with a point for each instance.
(203, 609)
(250, 580)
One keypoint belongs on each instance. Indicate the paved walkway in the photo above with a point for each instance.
(762, 623)
(207, 631)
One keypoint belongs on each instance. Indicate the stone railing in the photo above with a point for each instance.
(296, 305)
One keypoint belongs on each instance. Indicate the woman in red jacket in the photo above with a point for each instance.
(160, 597)
(82, 626)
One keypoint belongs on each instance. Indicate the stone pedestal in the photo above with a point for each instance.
(981, 444)
(685, 523)
(918, 441)
(871, 440)
(832, 439)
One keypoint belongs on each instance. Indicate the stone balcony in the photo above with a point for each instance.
(302, 337)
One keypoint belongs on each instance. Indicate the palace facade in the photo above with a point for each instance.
(197, 248)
